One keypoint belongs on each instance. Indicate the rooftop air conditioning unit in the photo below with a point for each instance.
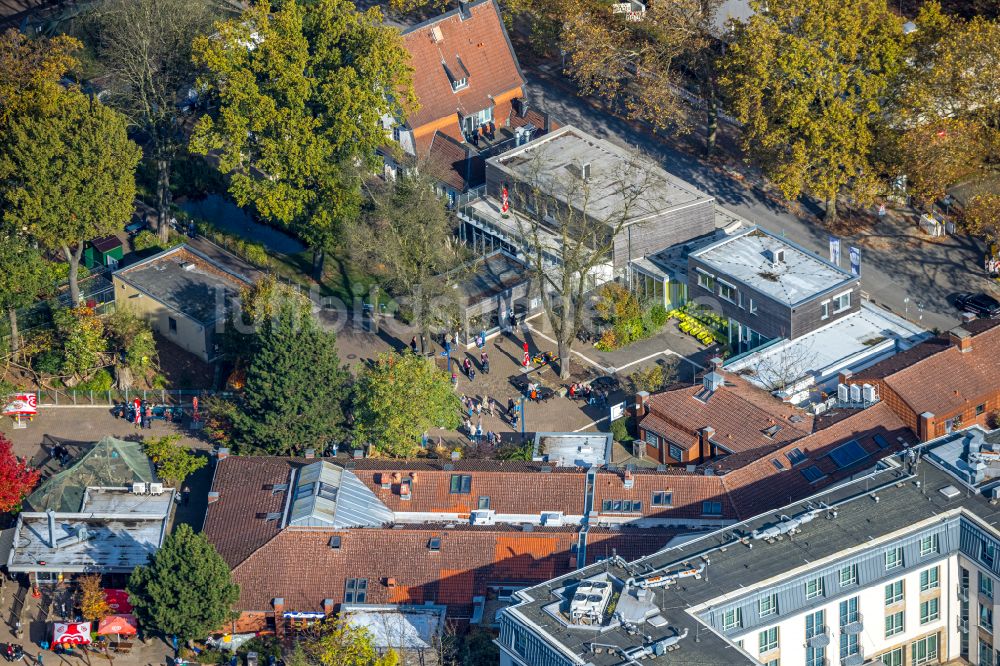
(843, 393)
(868, 393)
(855, 393)
(138, 488)
(156, 489)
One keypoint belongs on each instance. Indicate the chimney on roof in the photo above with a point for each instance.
(585, 171)
(328, 607)
(844, 377)
(436, 36)
(925, 427)
(713, 381)
(628, 479)
(405, 492)
(967, 317)
(520, 105)
(310, 454)
(961, 338)
(705, 442)
(775, 256)
(52, 528)
(222, 453)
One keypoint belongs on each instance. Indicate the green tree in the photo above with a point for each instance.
(24, 274)
(339, 643)
(81, 334)
(144, 46)
(174, 462)
(301, 93)
(406, 239)
(185, 590)
(30, 71)
(807, 80)
(132, 339)
(69, 176)
(295, 387)
(400, 397)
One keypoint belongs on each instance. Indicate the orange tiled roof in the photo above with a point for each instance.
(477, 44)
(942, 379)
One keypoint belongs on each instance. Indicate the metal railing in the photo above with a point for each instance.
(71, 397)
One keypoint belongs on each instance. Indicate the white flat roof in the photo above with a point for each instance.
(851, 342)
(798, 277)
(573, 449)
(399, 627)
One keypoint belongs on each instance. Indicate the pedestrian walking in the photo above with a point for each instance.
(472, 374)
(413, 344)
(479, 409)
(510, 406)
(484, 362)
(479, 432)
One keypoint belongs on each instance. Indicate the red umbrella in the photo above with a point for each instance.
(121, 625)
(118, 600)
(527, 356)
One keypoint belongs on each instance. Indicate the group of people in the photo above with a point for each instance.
(469, 368)
(593, 396)
(474, 408)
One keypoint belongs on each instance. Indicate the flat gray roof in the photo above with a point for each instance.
(800, 276)
(493, 275)
(732, 568)
(115, 532)
(187, 282)
(555, 160)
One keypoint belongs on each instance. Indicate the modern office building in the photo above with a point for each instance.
(769, 288)
(896, 566)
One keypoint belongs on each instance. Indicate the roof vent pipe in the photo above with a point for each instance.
(52, 528)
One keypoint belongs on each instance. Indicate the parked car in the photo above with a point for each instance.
(979, 304)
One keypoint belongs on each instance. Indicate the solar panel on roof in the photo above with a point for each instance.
(881, 442)
(848, 454)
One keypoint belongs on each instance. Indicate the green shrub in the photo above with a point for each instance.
(101, 381)
(145, 240)
(619, 430)
(658, 315)
(49, 362)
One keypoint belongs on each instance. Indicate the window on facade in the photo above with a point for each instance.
(987, 553)
(773, 662)
(461, 484)
(894, 558)
(849, 575)
(727, 291)
(925, 650)
(752, 307)
(848, 611)
(711, 508)
(985, 653)
(928, 545)
(814, 588)
(815, 656)
(929, 610)
(795, 456)
(980, 409)
(621, 506)
(663, 498)
(355, 590)
(892, 657)
(841, 302)
(849, 645)
(652, 438)
(893, 593)
(929, 579)
(824, 310)
(986, 617)
(484, 502)
(768, 605)
(675, 452)
(985, 585)
(706, 280)
(815, 624)
(459, 84)
(732, 619)
(172, 324)
(768, 640)
(893, 624)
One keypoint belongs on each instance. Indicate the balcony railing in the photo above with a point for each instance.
(856, 659)
(853, 625)
(820, 639)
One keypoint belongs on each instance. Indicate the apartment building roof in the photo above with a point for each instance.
(470, 43)
(937, 376)
(855, 519)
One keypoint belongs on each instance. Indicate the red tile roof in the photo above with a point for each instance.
(476, 43)
(759, 487)
(509, 492)
(738, 412)
(940, 378)
(455, 164)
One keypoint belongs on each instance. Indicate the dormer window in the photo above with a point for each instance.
(459, 84)
(458, 75)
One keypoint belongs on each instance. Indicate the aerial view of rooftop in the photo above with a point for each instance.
(496, 332)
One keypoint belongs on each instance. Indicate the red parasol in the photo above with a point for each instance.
(527, 356)
(76, 633)
(118, 600)
(120, 625)
(506, 201)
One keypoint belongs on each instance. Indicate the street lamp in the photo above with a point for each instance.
(521, 408)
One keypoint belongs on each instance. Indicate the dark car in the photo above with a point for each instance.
(978, 304)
